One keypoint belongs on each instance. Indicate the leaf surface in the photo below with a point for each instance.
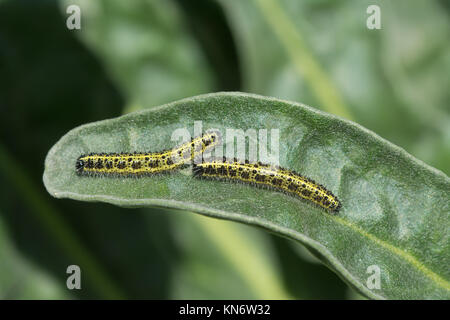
(395, 208)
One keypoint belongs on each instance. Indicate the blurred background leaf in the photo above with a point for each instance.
(393, 81)
(20, 279)
(145, 49)
(139, 54)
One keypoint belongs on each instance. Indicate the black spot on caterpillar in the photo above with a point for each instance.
(259, 174)
(140, 164)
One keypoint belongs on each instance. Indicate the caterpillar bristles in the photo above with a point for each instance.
(135, 164)
(267, 176)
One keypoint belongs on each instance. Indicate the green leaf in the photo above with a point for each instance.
(395, 208)
(150, 54)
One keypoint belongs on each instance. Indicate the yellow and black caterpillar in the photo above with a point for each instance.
(259, 174)
(139, 164)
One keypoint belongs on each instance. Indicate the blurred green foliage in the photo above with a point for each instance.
(139, 54)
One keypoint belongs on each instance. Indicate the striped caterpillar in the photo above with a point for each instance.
(139, 164)
(259, 174)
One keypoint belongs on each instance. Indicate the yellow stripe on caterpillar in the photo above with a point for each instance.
(259, 174)
(138, 164)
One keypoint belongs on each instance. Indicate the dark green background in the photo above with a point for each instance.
(393, 81)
